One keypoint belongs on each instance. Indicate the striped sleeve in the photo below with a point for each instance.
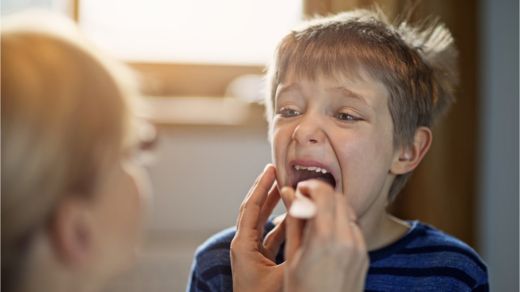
(431, 260)
(425, 259)
(211, 268)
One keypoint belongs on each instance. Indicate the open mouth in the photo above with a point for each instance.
(302, 173)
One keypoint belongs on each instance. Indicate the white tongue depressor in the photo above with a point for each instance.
(302, 207)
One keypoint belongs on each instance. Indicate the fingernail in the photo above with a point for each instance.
(284, 190)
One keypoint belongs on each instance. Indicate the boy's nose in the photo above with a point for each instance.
(308, 131)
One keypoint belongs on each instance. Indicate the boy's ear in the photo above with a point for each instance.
(409, 156)
(71, 231)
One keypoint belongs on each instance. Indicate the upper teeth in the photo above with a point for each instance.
(310, 168)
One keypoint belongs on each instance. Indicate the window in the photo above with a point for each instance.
(194, 31)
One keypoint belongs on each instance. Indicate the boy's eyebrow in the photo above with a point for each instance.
(284, 88)
(349, 93)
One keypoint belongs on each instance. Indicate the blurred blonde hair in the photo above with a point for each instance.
(66, 114)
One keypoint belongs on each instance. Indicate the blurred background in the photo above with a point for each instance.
(201, 63)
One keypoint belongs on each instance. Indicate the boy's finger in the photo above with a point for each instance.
(252, 205)
(270, 203)
(274, 239)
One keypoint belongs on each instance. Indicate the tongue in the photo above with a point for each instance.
(304, 175)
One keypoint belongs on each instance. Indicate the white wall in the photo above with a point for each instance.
(499, 142)
(202, 175)
(12, 6)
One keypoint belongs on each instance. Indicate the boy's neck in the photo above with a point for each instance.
(383, 230)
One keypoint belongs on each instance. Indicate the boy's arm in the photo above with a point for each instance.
(211, 268)
(195, 283)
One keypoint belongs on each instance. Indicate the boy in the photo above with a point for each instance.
(350, 106)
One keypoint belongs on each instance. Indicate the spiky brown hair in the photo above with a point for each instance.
(417, 64)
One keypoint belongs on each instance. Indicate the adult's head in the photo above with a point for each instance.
(71, 195)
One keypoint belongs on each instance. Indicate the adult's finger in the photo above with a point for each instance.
(274, 239)
(287, 197)
(251, 207)
(343, 219)
(293, 236)
(294, 229)
(267, 209)
(323, 196)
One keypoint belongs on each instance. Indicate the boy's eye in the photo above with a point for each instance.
(346, 117)
(288, 112)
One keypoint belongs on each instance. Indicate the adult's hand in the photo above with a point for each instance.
(253, 258)
(328, 251)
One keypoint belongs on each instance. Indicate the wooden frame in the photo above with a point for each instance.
(183, 79)
(175, 79)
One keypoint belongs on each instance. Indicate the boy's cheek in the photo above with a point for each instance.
(280, 140)
(278, 161)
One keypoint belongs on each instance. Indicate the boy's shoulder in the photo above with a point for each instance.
(429, 239)
(424, 257)
(215, 250)
(220, 243)
(211, 267)
(426, 252)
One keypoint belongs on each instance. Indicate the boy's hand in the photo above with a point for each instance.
(328, 251)
(253, 260)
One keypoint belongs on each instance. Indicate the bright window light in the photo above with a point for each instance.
(200, 31)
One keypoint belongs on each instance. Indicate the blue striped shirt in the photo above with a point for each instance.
(425, 259)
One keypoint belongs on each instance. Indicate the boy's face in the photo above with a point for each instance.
(342, 126)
